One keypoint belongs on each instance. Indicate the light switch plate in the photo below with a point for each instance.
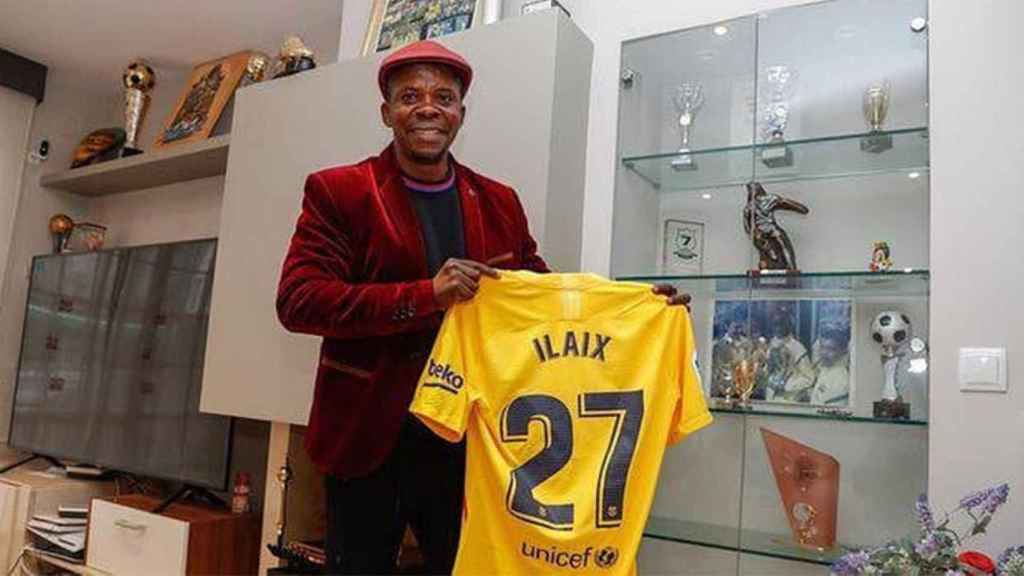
(983, 369)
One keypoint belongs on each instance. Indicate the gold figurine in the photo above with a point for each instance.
(295, 57)
(256, 69)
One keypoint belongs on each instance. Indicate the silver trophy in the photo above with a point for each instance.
(779, 85)
(688, 99)
(138, 80)
(893, 332)
(876, 108)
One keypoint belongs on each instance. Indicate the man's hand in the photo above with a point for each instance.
(458, 281)
(674, 299)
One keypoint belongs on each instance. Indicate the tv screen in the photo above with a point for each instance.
(112, 359)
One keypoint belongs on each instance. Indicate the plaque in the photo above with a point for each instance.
(808, 482)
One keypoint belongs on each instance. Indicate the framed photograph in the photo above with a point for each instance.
(803, 349)
(395, 23)
(681, 246)
(207, 91)
(512, 8)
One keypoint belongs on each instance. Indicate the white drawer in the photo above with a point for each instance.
(125, 541)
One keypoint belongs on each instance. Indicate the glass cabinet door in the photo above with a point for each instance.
(801, 131)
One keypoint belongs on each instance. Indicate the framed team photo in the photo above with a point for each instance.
(395, 23)
(803, 349)
(681, 246)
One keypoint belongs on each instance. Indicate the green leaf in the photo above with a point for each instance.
(980, 527)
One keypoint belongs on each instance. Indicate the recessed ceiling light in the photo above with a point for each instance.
(721, 30)
(706, 196)
(914, 175)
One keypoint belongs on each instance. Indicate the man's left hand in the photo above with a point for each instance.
(674, 298)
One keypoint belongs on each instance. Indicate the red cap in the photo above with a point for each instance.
(425, 51)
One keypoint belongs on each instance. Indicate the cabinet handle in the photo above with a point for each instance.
(130, 525)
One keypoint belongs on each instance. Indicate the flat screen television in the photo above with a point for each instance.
(112, 359)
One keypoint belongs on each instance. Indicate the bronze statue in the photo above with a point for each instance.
(772, 242)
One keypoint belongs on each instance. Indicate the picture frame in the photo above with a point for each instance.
(813, 366)
(681, 245)
(396, 23)
(206, 93)
(512, 8)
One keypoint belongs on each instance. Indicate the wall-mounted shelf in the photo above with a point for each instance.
(807, 414)
(147, 170)
(750, 541)
(837, 156)
(905, 283)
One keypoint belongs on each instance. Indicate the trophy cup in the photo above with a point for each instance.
(893, 331)
(138, 80)
(744, 377)
(808, 482)
(295, 57)
(256, 69)
(779, 85)
(60, 229)
(688, 99)
(876, 107)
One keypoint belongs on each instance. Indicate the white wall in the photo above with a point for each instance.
(63, 118)
(977, 231)
(16, 111)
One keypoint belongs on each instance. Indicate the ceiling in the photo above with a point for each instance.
(90, 42)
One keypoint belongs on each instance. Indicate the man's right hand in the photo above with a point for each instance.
(458, 281)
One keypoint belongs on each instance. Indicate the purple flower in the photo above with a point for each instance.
(988, 499)
(1011, 562)
(974, 499)
(928, 547)
(1011, 551)
(924, 513)
(851, 564)
(996, 497)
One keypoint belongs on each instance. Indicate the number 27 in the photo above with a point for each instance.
(627, 411)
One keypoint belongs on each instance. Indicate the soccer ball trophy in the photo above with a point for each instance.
(892, 330)
(138, 80)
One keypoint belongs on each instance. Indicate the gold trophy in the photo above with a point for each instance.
(138, 80)
(256, 69)
(61, 226)
(744, 377)
(876, 108)
(295, 57)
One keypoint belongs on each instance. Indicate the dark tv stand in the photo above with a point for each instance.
(195, 492)
(31, 458)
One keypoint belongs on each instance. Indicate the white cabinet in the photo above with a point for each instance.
(125, 540)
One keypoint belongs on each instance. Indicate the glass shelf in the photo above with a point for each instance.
(910, 282)
(814, 415)
(746, 541)
(812, 159)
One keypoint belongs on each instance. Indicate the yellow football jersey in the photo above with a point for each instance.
(569, 387)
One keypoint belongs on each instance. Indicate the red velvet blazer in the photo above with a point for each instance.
(356, 274)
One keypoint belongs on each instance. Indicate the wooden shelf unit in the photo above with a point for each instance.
(147, 170)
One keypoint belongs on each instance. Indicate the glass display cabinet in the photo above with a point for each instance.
(775, 167)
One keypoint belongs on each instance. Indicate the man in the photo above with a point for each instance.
(380, 250)
(832, 366)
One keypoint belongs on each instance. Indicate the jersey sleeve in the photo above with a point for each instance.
(691, 413)
(443, 395)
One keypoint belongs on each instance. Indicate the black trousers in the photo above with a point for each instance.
(419, 485)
